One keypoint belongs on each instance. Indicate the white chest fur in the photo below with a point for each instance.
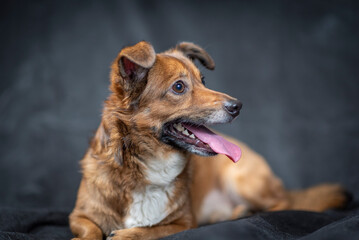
(150, 203)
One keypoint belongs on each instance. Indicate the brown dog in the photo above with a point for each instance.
(144, 175)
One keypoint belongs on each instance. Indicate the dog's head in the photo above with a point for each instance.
(163, 95)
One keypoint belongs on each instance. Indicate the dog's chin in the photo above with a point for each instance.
(174, 134)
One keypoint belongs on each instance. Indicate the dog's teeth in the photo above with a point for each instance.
(177, 126)
(192, 136)
(180, 127)
(185, 132)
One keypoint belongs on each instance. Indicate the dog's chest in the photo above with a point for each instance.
(149, 206)
(150, 203)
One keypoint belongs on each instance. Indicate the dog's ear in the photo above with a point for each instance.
(135, 60)
(130, 68)
(194, 51)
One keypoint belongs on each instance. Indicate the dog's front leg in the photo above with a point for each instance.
(146, 233)
(83, 228)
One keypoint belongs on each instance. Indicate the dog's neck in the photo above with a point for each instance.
(159, 166)
(163, 169)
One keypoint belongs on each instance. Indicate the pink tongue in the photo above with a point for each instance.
(216, 142)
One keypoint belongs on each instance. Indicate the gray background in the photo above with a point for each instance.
(294, 65)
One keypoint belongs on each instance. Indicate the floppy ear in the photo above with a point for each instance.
(194, 51)
(131, 67)
(135, 59)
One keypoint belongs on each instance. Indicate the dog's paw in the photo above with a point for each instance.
(239, 211)
(343, 197)
(124, 234)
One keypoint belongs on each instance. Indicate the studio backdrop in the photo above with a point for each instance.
(293, 64)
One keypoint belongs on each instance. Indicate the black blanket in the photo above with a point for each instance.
(53, 224)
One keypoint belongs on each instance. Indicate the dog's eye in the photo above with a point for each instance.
(178, 87)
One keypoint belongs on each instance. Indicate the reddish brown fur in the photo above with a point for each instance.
(128, 137)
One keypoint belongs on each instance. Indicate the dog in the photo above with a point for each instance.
(153, 168)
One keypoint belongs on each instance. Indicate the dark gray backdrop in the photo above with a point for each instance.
(293, 64)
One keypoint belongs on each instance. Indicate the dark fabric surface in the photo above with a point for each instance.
(53, 224)
(34, 224)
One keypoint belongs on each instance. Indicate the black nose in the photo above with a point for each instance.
(233, 107)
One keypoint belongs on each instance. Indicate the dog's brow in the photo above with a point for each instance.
(183, 75)
(185, 62)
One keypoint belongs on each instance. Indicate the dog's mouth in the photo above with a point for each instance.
(198, 139)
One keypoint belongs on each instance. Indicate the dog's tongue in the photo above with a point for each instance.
(216, 142)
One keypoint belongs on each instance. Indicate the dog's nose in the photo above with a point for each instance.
(233, 107)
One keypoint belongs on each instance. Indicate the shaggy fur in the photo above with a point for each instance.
(137, 184)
